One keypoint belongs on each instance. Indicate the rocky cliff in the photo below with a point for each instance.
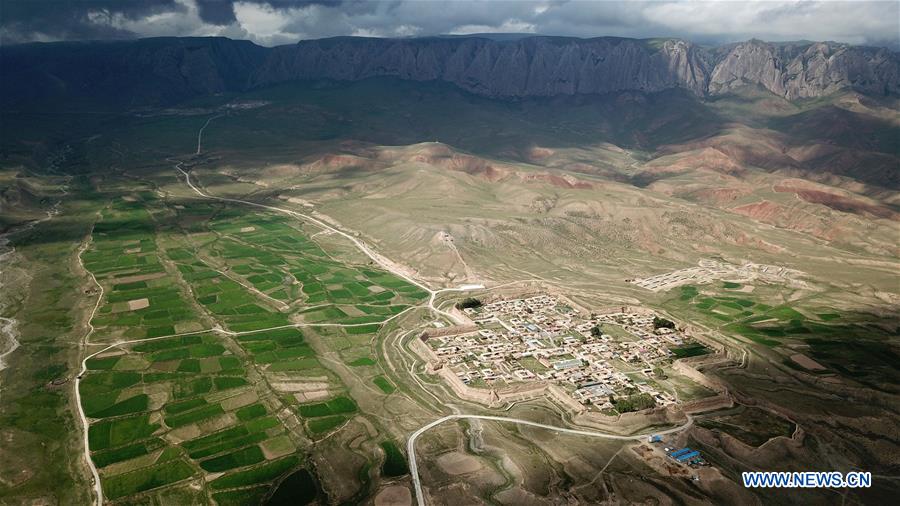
(535, 66)
(148, 72)
(166, 70)
(804, 70)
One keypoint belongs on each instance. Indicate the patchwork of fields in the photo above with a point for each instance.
(142, 299)
(236, 353)
(208, 375)
(739, 313)
(828, 340)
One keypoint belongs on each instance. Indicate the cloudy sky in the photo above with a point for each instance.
(274, 22)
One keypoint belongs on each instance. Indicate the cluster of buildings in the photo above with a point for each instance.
(711, 270)
(686, 456)
(541, 338)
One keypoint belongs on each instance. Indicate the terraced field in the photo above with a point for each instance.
(207, 375)
(853, 345)
(759, 322)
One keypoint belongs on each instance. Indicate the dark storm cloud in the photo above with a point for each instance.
(28, 20)
(216, 12)
(271, 22)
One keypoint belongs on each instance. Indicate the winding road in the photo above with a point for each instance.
(411, 443)
(381, 261)
(378, 259)
(365, 249)
(200, 133)
(389, 266)
(95, 476)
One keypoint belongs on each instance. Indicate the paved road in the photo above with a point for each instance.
(98, 491)
(411, 443)
(359, 244)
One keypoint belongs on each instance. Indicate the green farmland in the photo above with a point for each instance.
(759, 322)
(204, 312)
(142, 299)
(201, 298)
(142, 403)
(853, 348)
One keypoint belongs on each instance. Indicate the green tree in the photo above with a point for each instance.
(636, 402)
(468, 302)
(662, 323)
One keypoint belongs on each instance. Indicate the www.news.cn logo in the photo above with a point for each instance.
(809, 479)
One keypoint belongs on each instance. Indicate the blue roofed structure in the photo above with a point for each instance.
(687, 456)
(680, 452)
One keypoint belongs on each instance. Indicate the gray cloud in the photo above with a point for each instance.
(215, 12)
(38, 20)
(272, 22)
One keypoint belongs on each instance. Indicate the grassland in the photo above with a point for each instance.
(384, 385)
(42, 292)
(394, 461)
(757, 321)
(690, 350)
(299, 488)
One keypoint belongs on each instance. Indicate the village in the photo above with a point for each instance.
(604, 361)
(710, 270)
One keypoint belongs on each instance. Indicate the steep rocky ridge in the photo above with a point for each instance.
(167, 70)
(804, 70)
(535, 66)
(145, 72)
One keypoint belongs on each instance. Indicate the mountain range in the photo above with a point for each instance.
(161, 71)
